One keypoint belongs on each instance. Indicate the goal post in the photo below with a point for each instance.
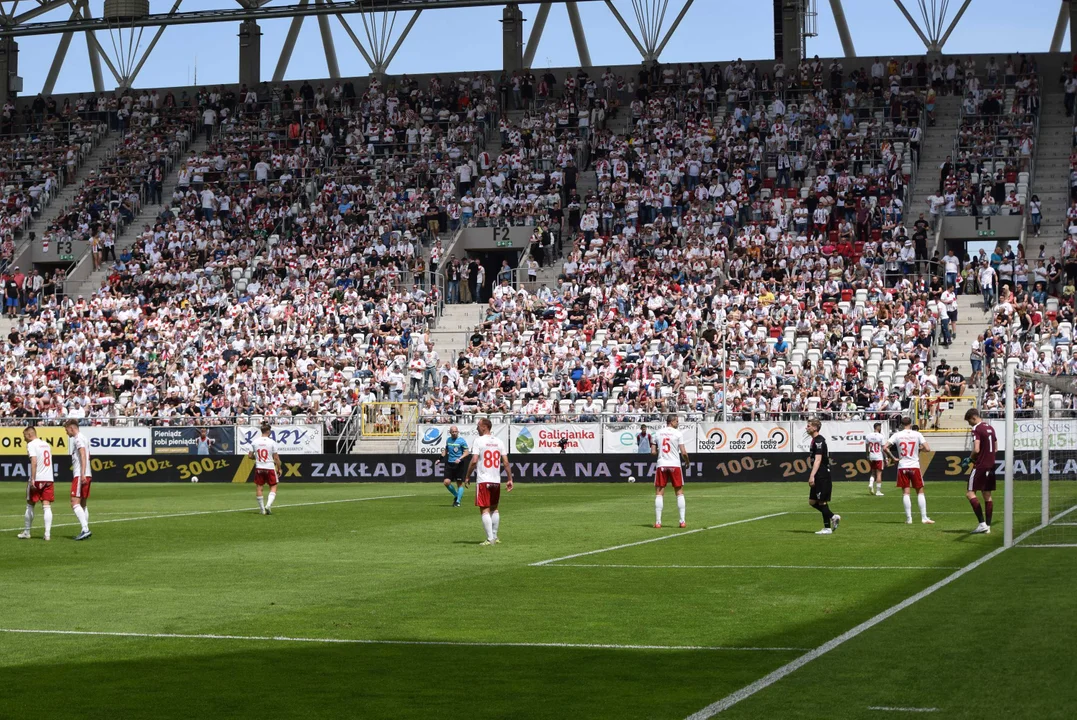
(1040, 444)
(1010, 450)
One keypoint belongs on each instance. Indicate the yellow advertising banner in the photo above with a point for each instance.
(13, 443)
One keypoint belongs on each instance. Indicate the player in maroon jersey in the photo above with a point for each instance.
(982, 475)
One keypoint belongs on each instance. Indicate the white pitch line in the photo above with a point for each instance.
(655, 539)
(902, 709)
(126, 512)
(1050, 545)
(218, 512)
(764, 682)
(353, 641)
(758, 567)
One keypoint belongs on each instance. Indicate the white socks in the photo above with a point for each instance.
(28, 517)
(921, 500)
(907, 501)
(488, 526)
(495, 522)
(48, 520)
(80, 513)
(272, 497)
(261, 504)
(658, 502)
(680, 506)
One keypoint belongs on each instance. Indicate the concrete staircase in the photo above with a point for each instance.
(455, 327)
(84, 279)
(23, 252)
(938, 142)
(1051, 177)
(972, 320)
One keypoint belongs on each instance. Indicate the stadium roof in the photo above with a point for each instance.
(122, 34)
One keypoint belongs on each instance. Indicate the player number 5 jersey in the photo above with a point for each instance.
(908, 444)
(264, 448)
(489, 451)
(873, 441)
(669, 441)
(40, 449)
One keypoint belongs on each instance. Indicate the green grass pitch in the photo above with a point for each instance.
(475, 632)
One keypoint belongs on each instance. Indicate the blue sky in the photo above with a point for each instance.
(468, 39)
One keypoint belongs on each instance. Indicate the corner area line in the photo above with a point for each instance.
(219, 512)
(359, 641)
(655, 539)
(789, 668)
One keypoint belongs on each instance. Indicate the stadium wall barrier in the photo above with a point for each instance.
(759, 467)
(290, 439)
(620, 438)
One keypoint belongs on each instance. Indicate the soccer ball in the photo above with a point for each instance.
(631, 478)
(194, 478)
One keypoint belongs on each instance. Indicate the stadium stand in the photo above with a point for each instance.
(678, 211)
(775, 219)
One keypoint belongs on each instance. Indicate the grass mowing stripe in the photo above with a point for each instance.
(218, 512)
(351, 641)
(764, 682)
(657, 539)
(758, 567)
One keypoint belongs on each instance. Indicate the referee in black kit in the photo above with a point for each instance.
(820, 484)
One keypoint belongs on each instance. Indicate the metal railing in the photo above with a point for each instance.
(350, 433)
(386, 419)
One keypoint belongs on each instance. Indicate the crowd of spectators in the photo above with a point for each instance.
(989, 172)
(770, 225)
(283, 276)
(733, 210)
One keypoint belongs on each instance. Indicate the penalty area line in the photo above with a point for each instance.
(655, 539)
(359, 641)
(219, 512)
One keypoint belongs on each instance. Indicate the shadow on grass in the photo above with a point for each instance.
(166, 679)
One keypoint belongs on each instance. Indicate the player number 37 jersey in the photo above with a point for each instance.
(908, 444)
(489, 451)
(669, 441)
(264, 448)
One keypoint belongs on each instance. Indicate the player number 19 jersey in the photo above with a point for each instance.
(40, 450)
(873, 441)
(264, 448)
(489, 451)
(669, 441)
(908, 444)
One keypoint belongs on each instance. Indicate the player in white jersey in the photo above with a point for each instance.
(266, 467)
(909, 444)
(488, 457)
(39, 488)
(80, 476)
(873, 446)
(669, 447)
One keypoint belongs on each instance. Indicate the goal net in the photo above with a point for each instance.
(1040, 445)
